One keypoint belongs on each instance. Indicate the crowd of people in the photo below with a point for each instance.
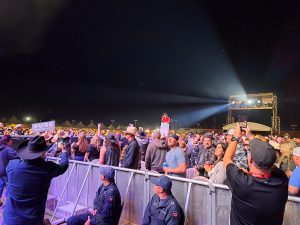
(26, 129)
(194, 156)
(235, 158)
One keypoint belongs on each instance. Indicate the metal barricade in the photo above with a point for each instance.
(203, 203)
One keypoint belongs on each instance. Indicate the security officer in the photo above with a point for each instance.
(107, 204)
(163, 207)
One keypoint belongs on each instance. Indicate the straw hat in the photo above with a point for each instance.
(131, 130)
(60, 134)
(47, 136)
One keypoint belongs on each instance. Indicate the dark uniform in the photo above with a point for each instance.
(163, 212)
(108, 205)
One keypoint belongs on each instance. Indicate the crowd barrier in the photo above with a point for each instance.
(203, 203)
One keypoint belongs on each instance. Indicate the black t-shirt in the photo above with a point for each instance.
(257, 201)
(94, 153)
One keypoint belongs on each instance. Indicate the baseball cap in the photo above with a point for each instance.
(107, 172)
(296, 151)
(230, 132)
(174, 136)
(262, 153)
(164, 182)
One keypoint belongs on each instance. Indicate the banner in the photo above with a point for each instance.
(43, 126)
(164, 129)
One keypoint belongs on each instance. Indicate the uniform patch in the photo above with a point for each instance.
(175, 214)
(110, 198)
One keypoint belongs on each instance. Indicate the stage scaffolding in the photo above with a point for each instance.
(251, 102)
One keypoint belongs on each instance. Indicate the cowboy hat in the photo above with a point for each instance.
(131, 130)
(59, 134)
(47, 136)
(33, 148)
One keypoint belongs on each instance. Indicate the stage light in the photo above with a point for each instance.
(194, 116)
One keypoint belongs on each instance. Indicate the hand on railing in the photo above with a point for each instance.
(88, 222)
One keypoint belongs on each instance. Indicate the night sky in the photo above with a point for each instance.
(126, 60)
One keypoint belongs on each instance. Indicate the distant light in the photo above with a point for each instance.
(249, 101)
(28, 118)
(258, 101)
(233, 102)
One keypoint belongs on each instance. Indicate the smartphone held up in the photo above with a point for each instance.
(242, 119)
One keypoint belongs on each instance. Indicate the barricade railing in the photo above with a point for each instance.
(203, 203)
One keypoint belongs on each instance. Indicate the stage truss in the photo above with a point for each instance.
(251, 102)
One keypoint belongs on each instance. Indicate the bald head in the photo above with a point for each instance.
(156, 135)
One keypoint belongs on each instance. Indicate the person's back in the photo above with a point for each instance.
(28, 184)
(6, 154)
(93, 152)
(156, 155)
(143, 143)
(257, 201)
(258, 197)
(112, 155)
(130, 159)
(240, 159)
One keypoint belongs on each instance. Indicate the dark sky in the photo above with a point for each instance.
(127, 60)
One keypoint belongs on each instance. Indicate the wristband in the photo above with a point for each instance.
(237, 139)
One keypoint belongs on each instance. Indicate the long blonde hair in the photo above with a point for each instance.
(286, 148)
(96, 141)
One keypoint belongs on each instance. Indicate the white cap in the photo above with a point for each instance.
(230, 132)
(296, 151)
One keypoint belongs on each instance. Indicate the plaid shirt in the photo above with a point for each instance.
(240, 159)
(206, 155)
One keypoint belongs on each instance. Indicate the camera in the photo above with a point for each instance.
(64, 141)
